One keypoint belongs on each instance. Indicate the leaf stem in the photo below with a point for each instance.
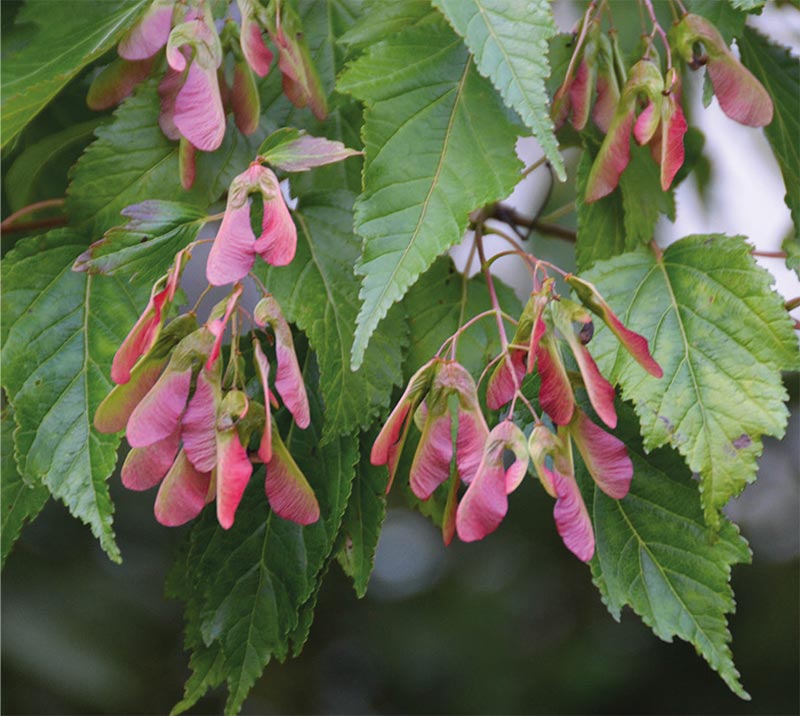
(769, 254)
(30, 209)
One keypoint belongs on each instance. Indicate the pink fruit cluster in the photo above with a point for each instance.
(442, 399)
(187, 417)
(195, 91)
(646, 104)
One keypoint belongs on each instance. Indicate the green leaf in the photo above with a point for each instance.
(250, 583)
(627, 217)
(361, 526)
(748, 5)
(727, 19)
(779, 72)
(655, 553)
(20, 502)
(40, 171)
(145, 247)
(510, 42)
(132, 161)
(380, 20)
(643, 200)
(439, 302)
(601, 224)
(439, 143)
(319, 292)
(61, 330)
(721, 335)
(63, 36)
(791, 245)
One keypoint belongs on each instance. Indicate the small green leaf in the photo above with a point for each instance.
(439, 302)
(439, 143)
(655, 553)
(361, 526)
(145, 247)
(791, 245)
(20, 502)
(779, 72)
(643, 200)
(601, 223)
(509, 41)
(64, 36)
(722, 337)
(132, 161)
(319, 292)
(294, 151)
(61, 330)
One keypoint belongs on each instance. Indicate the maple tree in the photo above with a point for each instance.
(331, 153)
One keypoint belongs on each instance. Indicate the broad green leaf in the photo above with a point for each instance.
(40, 171)
(249, 584)
(721, 336)
(361, 526)
(439, 143)
(145, 247)
(779, 72)
(655, 554)
(61, 330)
(20, 502)
(132, 161)
(62, 37)
(440, 302)
(319, 292)
(509, 39)
(381, 20)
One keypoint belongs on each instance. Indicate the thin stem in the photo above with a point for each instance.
(769, 254)
(533, 167)
(30, 209)
(562, 211)
(579, 43)
(203, 294)
(34, 225)
(471, 322)
(528, 405)
(463, 306)
(259, 283)
(660, 30)
(501, 329)
(792, 303)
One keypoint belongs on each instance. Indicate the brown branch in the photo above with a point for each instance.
(513, 218)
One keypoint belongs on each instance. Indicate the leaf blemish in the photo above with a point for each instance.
(742, 441)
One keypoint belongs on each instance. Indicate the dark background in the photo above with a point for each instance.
(512, 624)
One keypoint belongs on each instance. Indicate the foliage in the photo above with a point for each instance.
(331, 154)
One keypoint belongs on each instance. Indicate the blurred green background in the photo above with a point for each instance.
(509, 625)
